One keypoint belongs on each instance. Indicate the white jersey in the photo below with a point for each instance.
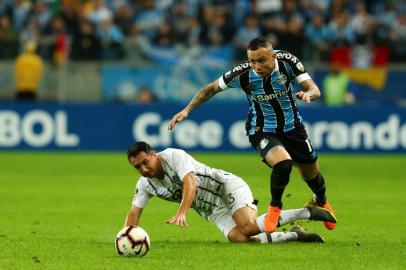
(212, 184)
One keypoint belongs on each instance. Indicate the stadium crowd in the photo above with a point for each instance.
(314, 30)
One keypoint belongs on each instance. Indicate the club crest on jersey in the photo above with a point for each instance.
(264, 142)
(282, 79)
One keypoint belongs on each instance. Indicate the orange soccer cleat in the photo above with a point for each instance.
(271, 220)
(327, 224)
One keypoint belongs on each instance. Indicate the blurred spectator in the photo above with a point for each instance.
(29, 33)
(249, 31)
(99, 12)
(316, 45)
(179, 20)
(385, 21)
(148, 18)
(340, 33)
(361, 22)
(315, 7)
(124, 18)
(54, 43)
(4, 6)
(41, 13)
(240, 10)
(336, 87)
(85, 45)
(112, 40)
(165, 36)
(398, 38)
(146, 96)
(194, 32)
(216, 30)
(8, 39)
(267, 7)
(136, 44)
(28, 73)
(19, 12)
(288, 26)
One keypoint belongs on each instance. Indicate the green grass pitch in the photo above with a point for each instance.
(62, 211)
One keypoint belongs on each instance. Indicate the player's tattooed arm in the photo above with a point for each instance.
(204, 94)
(311, 91)
(201, 97)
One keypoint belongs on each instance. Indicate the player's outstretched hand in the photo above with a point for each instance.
(180, 116)
(303, 96)
(178, 219)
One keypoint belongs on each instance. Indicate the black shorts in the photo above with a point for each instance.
(296, 142)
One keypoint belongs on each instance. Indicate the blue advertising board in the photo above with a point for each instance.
(212, 127)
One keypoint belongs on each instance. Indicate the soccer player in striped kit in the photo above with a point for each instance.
(274, 125)
(219, 196)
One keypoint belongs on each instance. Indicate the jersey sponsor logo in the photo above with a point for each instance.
(287, 55)
(260, 98)
(264, 142)
(282, 79)
(240, 67)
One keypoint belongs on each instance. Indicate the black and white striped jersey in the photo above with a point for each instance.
(176, 164)
(272, 106)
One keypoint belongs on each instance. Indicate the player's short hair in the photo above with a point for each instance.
(137, 148)
(259, 42)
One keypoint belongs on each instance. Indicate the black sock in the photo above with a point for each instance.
(318, 187)
(279, 179)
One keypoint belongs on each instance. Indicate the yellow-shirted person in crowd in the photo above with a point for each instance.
(28, 72)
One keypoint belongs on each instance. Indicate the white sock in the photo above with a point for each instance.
(279, 237)
(286, 217)
(260, 223)
(276, 237)
(264, 238)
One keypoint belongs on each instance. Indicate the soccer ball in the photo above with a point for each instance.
(132, 241)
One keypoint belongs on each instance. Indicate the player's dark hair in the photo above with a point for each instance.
(259, 42)
(137, 148)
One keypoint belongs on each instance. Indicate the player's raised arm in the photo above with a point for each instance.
(204, 94)
(311, 91)
(133, 217)
(188, 195)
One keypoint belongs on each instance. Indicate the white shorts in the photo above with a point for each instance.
(237, 195)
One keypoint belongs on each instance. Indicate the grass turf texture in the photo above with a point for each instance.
(62, 211)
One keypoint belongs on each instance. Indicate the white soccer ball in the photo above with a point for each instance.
(132, 241)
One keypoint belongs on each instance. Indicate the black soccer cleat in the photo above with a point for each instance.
(321, 214)
(306, 237)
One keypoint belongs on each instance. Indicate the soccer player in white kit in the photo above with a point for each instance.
(216, 195)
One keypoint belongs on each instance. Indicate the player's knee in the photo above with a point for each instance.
(249, 228)
(236, 236)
